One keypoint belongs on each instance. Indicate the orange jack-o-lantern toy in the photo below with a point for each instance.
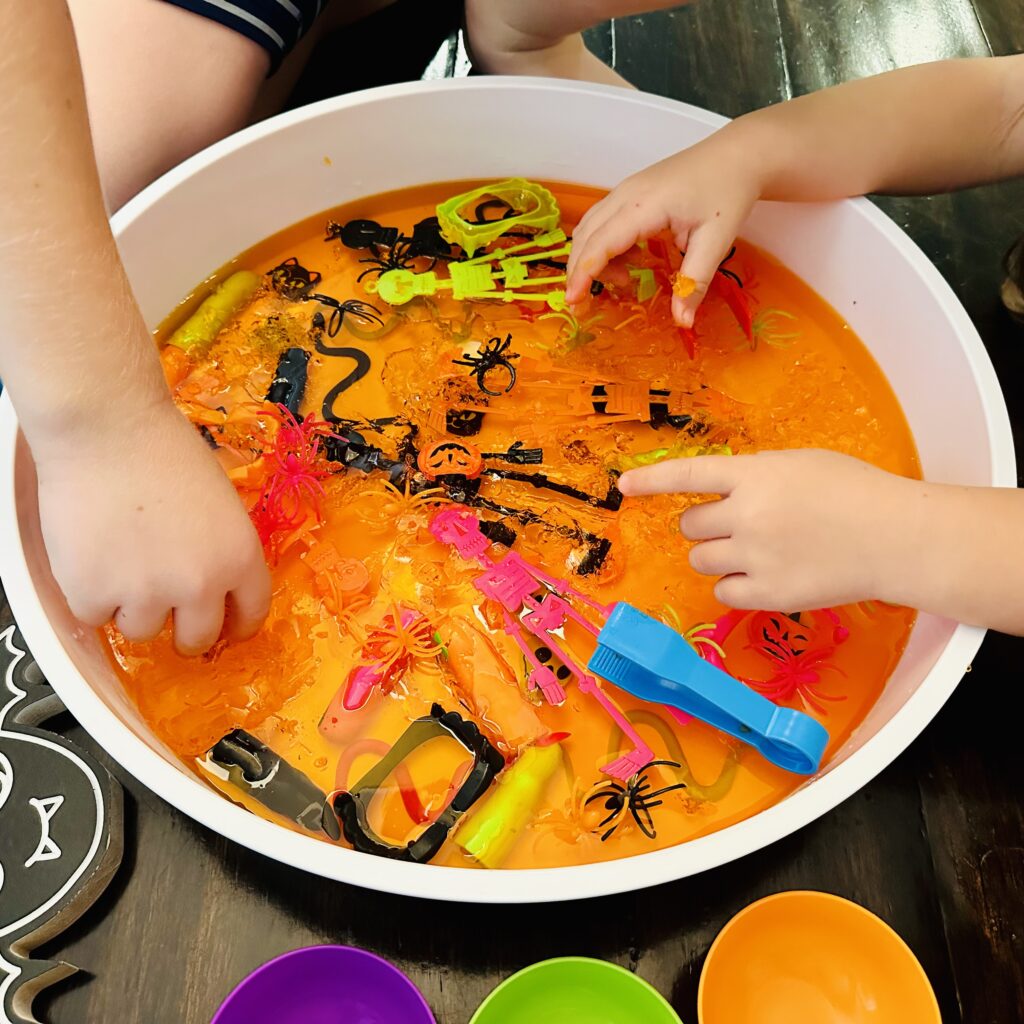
(450, 458)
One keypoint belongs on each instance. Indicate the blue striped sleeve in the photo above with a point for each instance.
(277, 25)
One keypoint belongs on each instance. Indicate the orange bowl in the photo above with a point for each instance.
(812, 958)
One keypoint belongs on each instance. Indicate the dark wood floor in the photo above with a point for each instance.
(935, 845)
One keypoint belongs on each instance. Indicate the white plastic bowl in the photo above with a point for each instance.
(265, 178)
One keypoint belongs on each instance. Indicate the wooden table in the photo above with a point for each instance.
(935, 845)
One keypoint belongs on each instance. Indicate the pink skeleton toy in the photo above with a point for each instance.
(537, 604)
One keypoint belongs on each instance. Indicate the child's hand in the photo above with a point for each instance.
(701, 195)
(532, 37)
(793, 531)
(140, 521)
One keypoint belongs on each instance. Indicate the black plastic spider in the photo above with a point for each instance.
(399, 257)
(633, 797)
(723, 269)
(292, 280)
(492, 354)
(426, 239)
(354, 307)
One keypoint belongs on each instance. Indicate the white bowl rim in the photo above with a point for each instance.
(200, 802)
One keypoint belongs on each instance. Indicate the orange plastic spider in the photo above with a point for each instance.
(583, 819)
(399, 509)
(400, 640)
(571, 823)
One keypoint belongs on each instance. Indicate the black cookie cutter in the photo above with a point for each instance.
(352, 807)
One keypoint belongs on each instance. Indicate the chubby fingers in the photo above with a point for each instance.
(202, 611)
(198, 623)
(707, 246)
(739, 590)
(724, 544)
(710, 523)
(141, 619)
(90, 609)
(578, 280)
(237, 613)
(611, 232)
(249, 602)
(199, 620)
(716, 558)
(709, 520)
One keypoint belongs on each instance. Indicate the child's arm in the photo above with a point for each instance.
(921, 129)
(808, 529)
(542, 37)
(162, 83)
(137, 516)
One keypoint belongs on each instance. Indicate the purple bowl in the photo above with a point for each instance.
(325, 985)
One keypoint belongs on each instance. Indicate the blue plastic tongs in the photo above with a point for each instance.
(652, 661)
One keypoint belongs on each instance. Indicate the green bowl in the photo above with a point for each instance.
(575, 990)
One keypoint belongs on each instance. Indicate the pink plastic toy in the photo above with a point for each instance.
(364, 678)
(538, 605)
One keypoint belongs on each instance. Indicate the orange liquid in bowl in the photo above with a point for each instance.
(804, 380)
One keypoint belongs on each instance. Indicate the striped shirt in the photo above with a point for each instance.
(277, 25)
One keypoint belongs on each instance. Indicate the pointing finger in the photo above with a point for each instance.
(701, 474)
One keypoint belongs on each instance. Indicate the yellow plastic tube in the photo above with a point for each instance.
(199, 330)
(490, 833)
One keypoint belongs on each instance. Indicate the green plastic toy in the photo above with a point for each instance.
(491, 832)
(199, 330)
(501, 275)
(575, 990)
(646, 284)
(676, 451)
(534, 206)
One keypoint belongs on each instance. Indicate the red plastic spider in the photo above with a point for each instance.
(798, 666)
(297, 468)
(293, 488)
(269, 525)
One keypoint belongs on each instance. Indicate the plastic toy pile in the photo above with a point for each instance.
(479, 652)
